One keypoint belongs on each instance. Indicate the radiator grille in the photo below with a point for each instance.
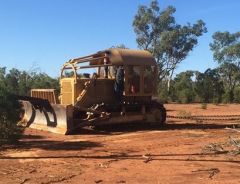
(66, 92)
(47, 94)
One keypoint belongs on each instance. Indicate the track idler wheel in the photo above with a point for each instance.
(159, 115)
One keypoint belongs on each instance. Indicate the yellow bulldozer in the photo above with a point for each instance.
(108, 87)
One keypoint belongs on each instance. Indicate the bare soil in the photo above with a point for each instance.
(133, 153)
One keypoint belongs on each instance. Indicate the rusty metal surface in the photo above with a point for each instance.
(117, 56)
(53, 121)
(47, 94)
(130, 57)
(79, 94)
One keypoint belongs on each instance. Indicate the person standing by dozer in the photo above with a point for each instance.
(119, 83)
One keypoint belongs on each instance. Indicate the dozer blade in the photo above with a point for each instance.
(54, 118)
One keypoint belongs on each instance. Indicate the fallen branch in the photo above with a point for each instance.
(148, 158)
(212, 171)
(233, 129)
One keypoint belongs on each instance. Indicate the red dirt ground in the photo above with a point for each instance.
(134, 153)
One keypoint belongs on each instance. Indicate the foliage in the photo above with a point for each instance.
(226, 47)
(14, 83)
(204, 106)
(169, 42)
(232, 146)
(226, 51)
(183, 87)
(227, 97)
(9, 116)
(21, 82)
(230, 75)
(237, 94)
(208, 86)
(211, 86)
(9, 112)
(163, 93)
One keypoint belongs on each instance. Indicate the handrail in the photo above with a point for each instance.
(83, 60)
(93, 66)
(70, 66)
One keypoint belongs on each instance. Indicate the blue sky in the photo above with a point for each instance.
(46, 33)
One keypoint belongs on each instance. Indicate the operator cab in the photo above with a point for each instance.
(94, 77)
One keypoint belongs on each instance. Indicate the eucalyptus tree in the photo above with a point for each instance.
(183, 87)
(170, 43)
(226, 51)
(208, 86)
(226, 47)
(230, 75)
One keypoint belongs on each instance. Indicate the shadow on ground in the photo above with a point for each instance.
(43, 142)
(52, 145)
(138, 126)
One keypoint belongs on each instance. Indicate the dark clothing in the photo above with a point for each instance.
(119, 83)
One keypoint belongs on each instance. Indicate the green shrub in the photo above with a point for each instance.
(237, 94)
(163, 95)
(204, 106)
(226, 98)
(9, 116)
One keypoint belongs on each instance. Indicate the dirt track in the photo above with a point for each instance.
(129, 153)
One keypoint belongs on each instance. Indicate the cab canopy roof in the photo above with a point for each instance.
(117, 56)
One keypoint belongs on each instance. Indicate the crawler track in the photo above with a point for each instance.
(208, 117)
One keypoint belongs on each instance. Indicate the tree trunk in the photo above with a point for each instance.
(231, 95)
(169, 80)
